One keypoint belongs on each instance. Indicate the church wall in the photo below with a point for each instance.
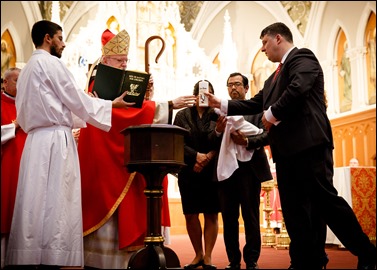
(334, 15)
(178, 223)
(355, 136)
(14, 19)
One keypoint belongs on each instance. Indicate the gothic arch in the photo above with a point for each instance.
(343, 63)
(333, 93)
(18, 52)
(368, 87)
(312, 32)
(370, 59)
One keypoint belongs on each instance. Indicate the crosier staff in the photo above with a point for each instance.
(147, 51)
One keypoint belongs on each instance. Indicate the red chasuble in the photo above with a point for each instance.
(106, 183)
(11, 153)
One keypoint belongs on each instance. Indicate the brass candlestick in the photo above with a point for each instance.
(268, 237)
(283, 239)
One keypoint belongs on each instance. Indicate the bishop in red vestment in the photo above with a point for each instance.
(12, 143)
(11, 149)
(107, 186)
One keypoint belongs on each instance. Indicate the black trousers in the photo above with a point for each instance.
(308, 198)
(241, 190)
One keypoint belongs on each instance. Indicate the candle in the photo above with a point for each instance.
(203, 99)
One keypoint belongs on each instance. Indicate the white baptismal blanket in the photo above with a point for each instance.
(231, 152)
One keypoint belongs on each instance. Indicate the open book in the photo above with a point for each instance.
(111, 82)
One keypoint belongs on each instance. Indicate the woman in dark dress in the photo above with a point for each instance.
(196, 183)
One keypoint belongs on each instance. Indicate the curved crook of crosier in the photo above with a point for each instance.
(147, 51)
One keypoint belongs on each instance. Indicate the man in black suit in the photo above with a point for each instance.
(301, 142)
(243, 187)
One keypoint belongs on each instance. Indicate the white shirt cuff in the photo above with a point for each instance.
(224, 106)
(270, 117)
(8, 132)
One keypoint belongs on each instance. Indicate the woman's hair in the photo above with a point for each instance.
(196, 88)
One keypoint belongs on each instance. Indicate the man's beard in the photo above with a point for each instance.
(54, 52)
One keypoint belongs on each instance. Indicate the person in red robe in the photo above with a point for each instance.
(12, 143)
(113, 200)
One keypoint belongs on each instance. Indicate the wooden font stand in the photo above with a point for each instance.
(154, 150)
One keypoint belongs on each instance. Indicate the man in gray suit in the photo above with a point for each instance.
(294, 114)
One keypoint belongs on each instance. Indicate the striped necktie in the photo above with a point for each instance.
(277, 71)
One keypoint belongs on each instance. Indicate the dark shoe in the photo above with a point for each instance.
(208, 266)
(367, 261)
(324, 261)
(233, 266)
(194, 265)
(366, 266)
(252, 265)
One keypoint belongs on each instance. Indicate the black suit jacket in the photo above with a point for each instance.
(297, 99)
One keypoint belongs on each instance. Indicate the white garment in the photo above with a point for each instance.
(8, 132)
(4, 244)
(102, 246)
(47, 219)
(231, 152)
(161, 113)
(47, 94)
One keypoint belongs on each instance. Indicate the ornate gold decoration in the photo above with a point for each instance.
(268, 237)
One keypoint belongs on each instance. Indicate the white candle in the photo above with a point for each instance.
(203, 88)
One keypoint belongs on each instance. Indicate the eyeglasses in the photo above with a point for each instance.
(120, 61)
(236, 84)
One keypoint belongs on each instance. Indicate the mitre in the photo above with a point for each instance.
(115, 44)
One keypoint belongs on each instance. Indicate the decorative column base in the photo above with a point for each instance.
(268, 237)
(282, 239)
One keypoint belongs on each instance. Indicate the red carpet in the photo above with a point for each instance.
(270, 258)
